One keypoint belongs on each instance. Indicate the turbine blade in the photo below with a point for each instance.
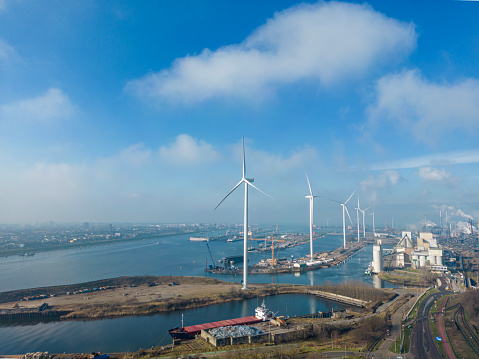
(244, 162)
(348, 213)
(350, 197)
(240, 182)
(252, 185)
(309, 185)
(333, 200)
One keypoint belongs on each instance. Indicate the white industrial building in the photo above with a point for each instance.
(377, 264)
(425, 254)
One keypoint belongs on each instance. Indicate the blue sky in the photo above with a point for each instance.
(134, 111)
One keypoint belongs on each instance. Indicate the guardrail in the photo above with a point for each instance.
(417, 300)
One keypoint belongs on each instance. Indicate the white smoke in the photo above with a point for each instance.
(463, 228)
(460, 213)
(427, 223)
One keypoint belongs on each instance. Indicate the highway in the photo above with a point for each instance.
(423, 344)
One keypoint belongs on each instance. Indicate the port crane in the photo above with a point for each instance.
(272, 240)
(209, 250)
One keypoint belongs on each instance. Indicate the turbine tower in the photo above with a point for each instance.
(364, 225)
(357, 216)
(247, 182)
(374, 228)
(345, 210)
(311, 199)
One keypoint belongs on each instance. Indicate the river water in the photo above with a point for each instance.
(174, 255)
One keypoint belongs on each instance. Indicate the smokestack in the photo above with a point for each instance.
(440, 218)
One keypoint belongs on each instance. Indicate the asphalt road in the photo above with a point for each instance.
(423, 344)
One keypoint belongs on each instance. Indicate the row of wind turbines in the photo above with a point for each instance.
(249, 182)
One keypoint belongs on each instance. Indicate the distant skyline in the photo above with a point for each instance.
(134, 111)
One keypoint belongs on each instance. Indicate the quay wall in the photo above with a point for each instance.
(20, 316)
(339, 298)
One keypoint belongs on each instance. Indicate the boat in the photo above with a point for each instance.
(199, 239)
(261, 314)
(369, 269)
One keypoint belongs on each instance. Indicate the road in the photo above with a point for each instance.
(423, 344)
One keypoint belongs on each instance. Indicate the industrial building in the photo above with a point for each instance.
(425, 254)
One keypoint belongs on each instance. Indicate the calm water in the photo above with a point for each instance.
(171, 256)
(132, 333)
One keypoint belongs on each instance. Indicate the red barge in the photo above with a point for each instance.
(261, 314)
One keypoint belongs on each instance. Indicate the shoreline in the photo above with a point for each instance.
(129, 296)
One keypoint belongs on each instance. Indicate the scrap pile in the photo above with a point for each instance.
(235, 331)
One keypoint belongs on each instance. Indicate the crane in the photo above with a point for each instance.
(209, 250)
(272, 245)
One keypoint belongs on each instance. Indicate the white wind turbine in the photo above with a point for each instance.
(311, 199)
(374, 228)
(247, 182)
(345, 210)
(357, 215)
(364, 225)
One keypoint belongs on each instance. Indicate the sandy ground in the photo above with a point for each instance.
(124, 295)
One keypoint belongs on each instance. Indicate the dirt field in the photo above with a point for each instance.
(126, 295)
(131, 296)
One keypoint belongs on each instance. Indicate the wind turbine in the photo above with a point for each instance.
(357, 215)
(247, 182)
(364, 226)
(374, 228)
(311, 199)
(345, 210)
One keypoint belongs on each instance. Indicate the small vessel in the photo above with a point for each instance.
(263, 313)
(369, 269)
(199, 239)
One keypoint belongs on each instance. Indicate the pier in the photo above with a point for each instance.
(283, 266)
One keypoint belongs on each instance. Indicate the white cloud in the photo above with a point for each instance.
(381, 181)
(425, 109)
(188, 150)
(135, 155)
(50, 106)
(325, 41)
(266, 162)
(374, 183)
(7, 53)
(437, 159)
(431, 174)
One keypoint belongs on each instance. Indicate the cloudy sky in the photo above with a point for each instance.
(134, 111)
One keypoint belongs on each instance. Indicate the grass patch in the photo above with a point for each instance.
(396, 347)
(458, 344)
